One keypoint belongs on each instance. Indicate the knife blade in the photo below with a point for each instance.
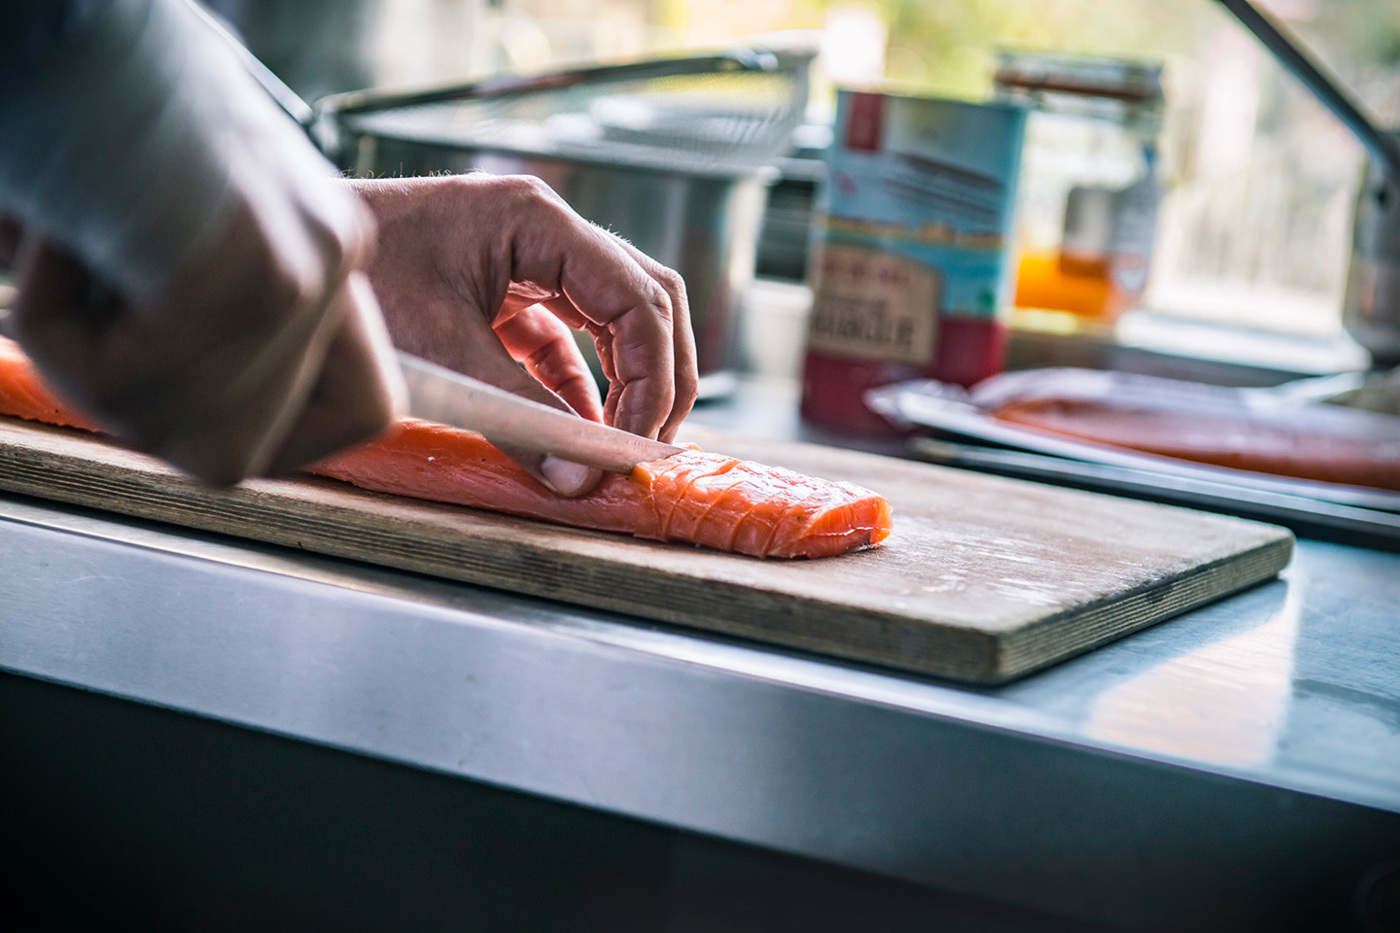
(436, 393)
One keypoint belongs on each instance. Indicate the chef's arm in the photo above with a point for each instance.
(189, 271)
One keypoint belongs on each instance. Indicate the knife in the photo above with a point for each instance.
(436, 393)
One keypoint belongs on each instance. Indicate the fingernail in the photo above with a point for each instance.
(566, 477)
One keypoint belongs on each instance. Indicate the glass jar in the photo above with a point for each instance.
(1089, 185)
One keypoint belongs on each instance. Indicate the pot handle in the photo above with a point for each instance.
(322, 121)
(741, 58)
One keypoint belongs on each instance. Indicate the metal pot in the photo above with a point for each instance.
(670, 170)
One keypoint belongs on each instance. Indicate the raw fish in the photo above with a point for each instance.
(697, 497)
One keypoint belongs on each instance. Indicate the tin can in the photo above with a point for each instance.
(911, 276)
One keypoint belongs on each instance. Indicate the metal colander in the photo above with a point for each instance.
(731, 112)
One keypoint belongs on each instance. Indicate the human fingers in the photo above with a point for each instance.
(545, 346)
(10, 235)
(74, 330)
(210, 380)
(456, 251)
(476, 350)
(442, 273)
(564, 477)
(624, 305)
(358, 392)
(212, 217)
(686, 368)
(54, 313)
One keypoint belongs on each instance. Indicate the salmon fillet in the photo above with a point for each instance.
(1318, 445)
(696, 497)
(24, 395)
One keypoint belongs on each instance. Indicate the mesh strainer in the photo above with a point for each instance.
(728, 112)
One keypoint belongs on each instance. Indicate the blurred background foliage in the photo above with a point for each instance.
(947, 46)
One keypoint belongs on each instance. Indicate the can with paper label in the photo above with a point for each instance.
(911, 277)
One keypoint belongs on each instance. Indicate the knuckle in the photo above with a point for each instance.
(307, 278)
(340, 231)
(211, 458)
(293, 284)
(338, 244)
(670, 280)
(279, 276)
(528, 188)
(334, 254)
(687, 389)
(657, 295)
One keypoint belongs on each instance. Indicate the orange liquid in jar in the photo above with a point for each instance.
(1085, 287)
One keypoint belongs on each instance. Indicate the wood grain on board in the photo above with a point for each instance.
(984, 579)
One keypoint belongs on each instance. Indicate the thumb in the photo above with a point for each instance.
(10, 235)
(60, 308)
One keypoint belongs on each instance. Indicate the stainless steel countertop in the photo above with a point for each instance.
(1267, 724)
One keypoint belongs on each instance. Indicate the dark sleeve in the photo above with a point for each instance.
(28, 27)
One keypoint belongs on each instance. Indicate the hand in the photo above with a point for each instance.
(190, 271)
(268, 354)
(10, 235)
(486, 274)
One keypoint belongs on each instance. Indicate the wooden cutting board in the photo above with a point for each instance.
(984, 580)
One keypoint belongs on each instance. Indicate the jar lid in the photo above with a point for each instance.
(1132, 82)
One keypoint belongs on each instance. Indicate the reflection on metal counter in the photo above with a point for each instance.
(1229, 698)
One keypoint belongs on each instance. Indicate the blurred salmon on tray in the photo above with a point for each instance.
(1299, 438)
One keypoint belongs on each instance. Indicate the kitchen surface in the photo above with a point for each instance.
(1233, 768)
(1133, 680)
